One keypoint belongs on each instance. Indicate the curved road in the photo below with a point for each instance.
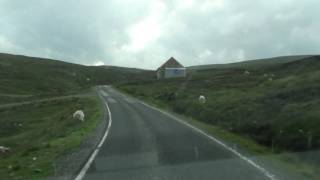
(145, 144)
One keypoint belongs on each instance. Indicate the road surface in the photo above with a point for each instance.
(145, 144)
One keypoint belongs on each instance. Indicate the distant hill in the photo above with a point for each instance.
(126, 69)
(251, 64)
(29, 75)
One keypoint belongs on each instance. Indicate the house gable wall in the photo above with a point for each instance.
(174, 72)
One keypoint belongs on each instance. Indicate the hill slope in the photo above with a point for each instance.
(275, 105)
(44, 128)
(275, 102)
(251, 64)
(28, 75)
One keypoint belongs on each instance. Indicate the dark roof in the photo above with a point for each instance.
(171, 63)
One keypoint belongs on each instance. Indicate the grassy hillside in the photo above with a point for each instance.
(274, 102)
(252, 64)
(277, 106)
(34, 76)
(41, 132)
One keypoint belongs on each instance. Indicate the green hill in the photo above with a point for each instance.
(270, 95)
(274, 102)
(33, 76)
(44, 128)
(277, 105)
(252, 63)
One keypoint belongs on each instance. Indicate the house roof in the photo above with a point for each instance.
(171, 63)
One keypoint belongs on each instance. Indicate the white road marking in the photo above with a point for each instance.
(261, 169)
(85, 168)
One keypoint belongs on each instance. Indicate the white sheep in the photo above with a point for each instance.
(4, 149)
(78, 115)
(202, 99)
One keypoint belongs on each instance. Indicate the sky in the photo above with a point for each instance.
(145, 33)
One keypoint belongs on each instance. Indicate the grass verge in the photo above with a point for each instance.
(40, 133)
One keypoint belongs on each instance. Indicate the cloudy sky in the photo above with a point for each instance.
(144, 33)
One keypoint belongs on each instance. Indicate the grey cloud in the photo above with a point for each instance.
(84, 31)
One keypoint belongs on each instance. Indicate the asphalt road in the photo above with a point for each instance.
(145, 144)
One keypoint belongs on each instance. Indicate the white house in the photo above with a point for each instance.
(171, 69)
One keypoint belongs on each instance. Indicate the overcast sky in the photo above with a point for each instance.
(145, 33)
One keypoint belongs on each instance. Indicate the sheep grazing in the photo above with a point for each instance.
(268, 75)
(78, 115)
(4, 149)
(247, 73)
(202, 99)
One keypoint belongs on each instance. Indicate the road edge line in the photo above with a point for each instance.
(85, 168)
(248, 160)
